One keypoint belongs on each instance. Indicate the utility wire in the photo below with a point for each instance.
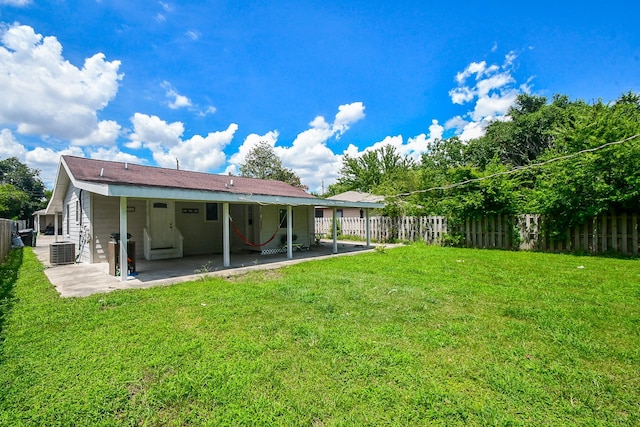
(519, 168)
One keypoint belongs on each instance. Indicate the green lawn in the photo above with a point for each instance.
(415, 335)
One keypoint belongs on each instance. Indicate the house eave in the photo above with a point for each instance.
(146, 192)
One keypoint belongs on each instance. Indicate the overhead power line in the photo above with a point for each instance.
(520, 168)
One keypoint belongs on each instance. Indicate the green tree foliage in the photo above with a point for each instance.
(23, 191)
(382, 167)
(530, 131)
(263, 162)
(577, 189)
(12, 202)
(501, 168)
(384, 172)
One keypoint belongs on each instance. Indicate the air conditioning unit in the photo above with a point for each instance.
(62, 253)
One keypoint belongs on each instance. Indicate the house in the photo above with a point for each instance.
(172, 213)
(348, 210)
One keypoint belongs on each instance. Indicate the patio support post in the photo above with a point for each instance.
(55, 225)
(289, 232)
(335, 230)
(368, 227)
(124, 261)
(226, 243)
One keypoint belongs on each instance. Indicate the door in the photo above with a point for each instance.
(162, 219)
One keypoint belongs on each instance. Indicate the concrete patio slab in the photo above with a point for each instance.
(79, 280)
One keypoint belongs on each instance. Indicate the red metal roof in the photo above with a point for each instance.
(119, 173)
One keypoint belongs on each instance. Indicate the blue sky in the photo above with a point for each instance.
(150, 82)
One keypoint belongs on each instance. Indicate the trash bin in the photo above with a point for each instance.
(27, 236)
(114, 257)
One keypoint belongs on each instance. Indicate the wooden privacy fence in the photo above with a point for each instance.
(430, 229)
(6, 232)
(607, 233)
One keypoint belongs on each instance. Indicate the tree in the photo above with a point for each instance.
(25, 180)
(575, 190)
(530, 131)
(381, 168)
(263, 162)
(12, 201)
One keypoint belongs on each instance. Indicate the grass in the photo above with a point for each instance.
(411, 336)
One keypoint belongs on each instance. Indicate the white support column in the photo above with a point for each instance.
(226, 237)
(55, 225)
(124, 264)
(289, 232)
(335, 230)
(368, 227)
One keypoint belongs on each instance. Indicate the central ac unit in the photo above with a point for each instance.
(62, 253)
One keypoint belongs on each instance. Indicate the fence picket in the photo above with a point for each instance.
(607, 232)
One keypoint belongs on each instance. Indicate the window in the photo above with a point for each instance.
(319, 213)
(211, 211)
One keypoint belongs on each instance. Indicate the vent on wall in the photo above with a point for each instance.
(62, 253)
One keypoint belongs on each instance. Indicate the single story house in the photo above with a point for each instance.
(347, 211)
(172, 213)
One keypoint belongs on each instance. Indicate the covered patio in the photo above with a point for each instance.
(84, 279)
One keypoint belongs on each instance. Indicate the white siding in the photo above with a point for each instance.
(106, 220)
(75, 219)
(200, 236)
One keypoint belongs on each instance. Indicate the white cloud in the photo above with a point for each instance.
(197, 153)
(494, 105)
(492, 93)
(44, 94)
(457, 123)
(46, 160)
(308, 156)
(498, 81)
(193, 35)
(200, 153)
(114, 154)
(17, 3)
(461, 95)
(473, 130)
(413, 148)
(473, 68)
(209, 110)
(346, 116)
(9, 146)
(106, 134)
(435, 130)
(152, 132)
(175, 99)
